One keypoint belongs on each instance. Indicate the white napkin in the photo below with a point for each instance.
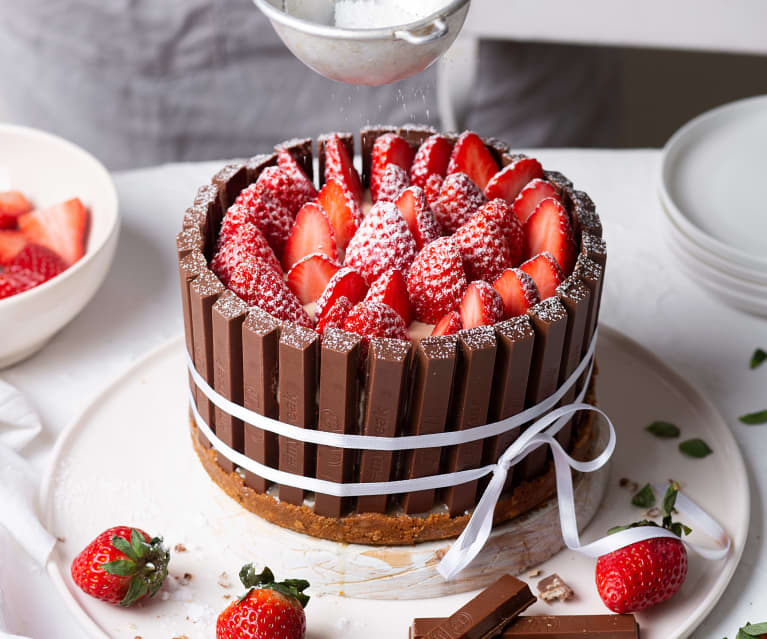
(19, 425)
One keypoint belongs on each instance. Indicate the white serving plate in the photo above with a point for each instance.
(711, 178)
(162, 487)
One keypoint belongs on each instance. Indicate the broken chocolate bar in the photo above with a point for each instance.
(554, 588)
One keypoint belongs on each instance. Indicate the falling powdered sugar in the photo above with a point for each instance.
(373, 14)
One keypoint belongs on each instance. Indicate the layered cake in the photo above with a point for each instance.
(449, 284)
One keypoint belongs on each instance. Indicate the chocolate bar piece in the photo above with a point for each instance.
(432, 381)
(189, 268)
(554, 627)
(298, 383)
(592, 275)
(515, 338)
(488, 613)
(554, 588)
(229, 313)
(549, 321)
(190, 239)
(339, 398)
(209, 203)
(583, 213)
(301, 151)
(473, 383)
(416, 134)
(497, 148)
(510, 158)
(347, 140)
(575, 297)
(368, 136)
(230, 181)
(203, 293)
(258, 163)
(557, 179)
(388, 361)
(260, 359)
(594, 248)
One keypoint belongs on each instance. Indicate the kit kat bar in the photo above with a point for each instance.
(347, 140)
(549, 321)
(416, 134)
(497, 149)
(298, 354)
(339, 398)
(583, 213)
(592, 275)
(229, 313)
(594, 248)
(190, 239)
(255, 165)
(368, 136)
(557, 179)
(432, 380)
(553, 627)
(206, 209)
(485, 616)
(388, 362)
(230, 181)
(260, 366)
(575, 297)
(203, 293)
(473, 383)
(514, 352)
(189, 268)
(300, 150)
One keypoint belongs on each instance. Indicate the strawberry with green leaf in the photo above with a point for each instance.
(123, 565)
(268, 610)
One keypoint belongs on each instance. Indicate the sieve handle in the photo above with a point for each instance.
(438, 30)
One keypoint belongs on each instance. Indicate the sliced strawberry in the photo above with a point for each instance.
(246, 241)
(549, 229)
(436, 281)
(500, 211)
(483, 247)
(17, 281)
(335, 316)
(518, 291)
(346, 283)
(373, 319)
(265, 211)
(310, 276)
(470, 156)
(531, 195)
(449, 325)
(382, 242)
(38, 259)
(303, 189)
(481, 305)
(258, 285)
(277, 183)
(420, 220)
(343, 212)
(62, 228)
(388, 148)
(393, 181)
(11, 242)
(546, 273)
(459, 198)
(432, 188)
(432, 158)
(311, 233)
(12, 205)
(509, 182)
(339, 166)
(391, 289)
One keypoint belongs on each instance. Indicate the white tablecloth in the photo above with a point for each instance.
(138, 308)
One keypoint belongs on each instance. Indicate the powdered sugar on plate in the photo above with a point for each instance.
(374, 14)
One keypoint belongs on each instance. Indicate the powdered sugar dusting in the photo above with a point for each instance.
(376, 14)
(549, 310)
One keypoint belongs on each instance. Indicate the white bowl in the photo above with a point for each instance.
(48, 169)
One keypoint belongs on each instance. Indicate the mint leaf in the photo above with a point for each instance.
(644, 498)
(664, 430)
(754, 419)
(696, 448)
(758, 358)
(755, 630)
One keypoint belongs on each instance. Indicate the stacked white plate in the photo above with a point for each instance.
(713, 188)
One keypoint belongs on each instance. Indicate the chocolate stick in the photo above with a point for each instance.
(575, 297)
(230, 181)
(388, 361)
(416, 134)
(229, 313)
(190, 239)
(488, 613)
(473, 383)
(592, 275)
(339, 398)
(594, 248)
(300, 150)
(297, 388)
(203, 293)
(207, 209)
(257, 164)
(260, 360)
(432, 380)
(549, 321)
(554, 627)
(514, 352)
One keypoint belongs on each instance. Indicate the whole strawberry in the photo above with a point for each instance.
(645, 573)
(268, 610)
(121, 566)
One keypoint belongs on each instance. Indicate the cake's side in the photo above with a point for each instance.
(433, 385)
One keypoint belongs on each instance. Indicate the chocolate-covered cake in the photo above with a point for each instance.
(449, 285)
